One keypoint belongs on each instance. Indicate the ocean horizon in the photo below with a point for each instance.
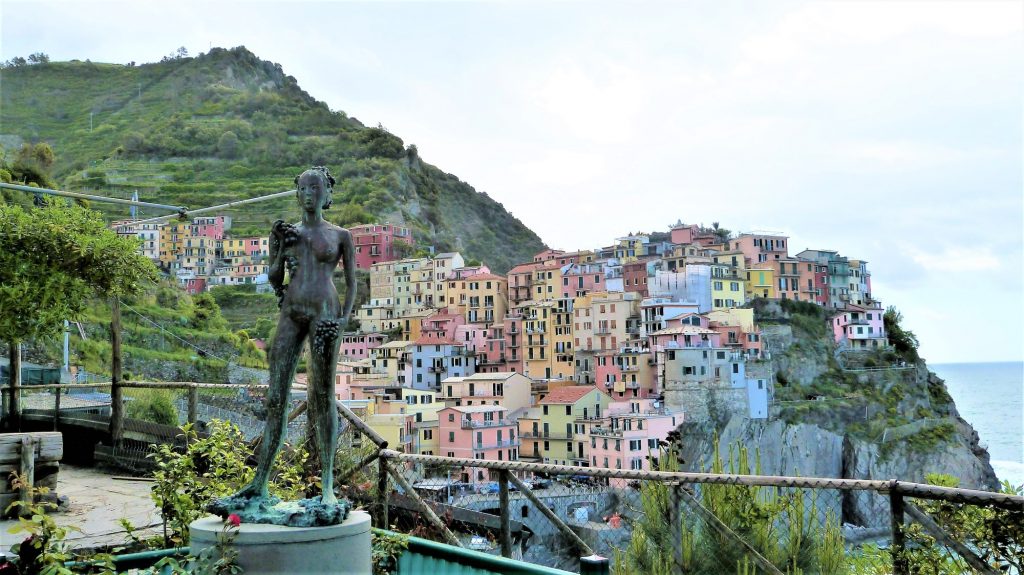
(990, 396)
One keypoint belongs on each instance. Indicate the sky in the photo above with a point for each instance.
(889, 131)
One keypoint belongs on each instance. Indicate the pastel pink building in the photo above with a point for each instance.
(376, 243)
(210, 226)
(734, 338)
(759, 248)
(466, 272)
(493, 359)
(356, 346)
(473, 336)
(682, 234)
(441, 326)
(581, 279)
(625, 373)
(629, 437)
(256, 246)
(477, 432)
(860, 327)
(548, 255)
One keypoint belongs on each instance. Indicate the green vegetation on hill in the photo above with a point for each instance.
(226, 126)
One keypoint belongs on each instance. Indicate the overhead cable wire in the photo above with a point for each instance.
(202, 352)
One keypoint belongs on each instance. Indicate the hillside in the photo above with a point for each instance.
(225, 126)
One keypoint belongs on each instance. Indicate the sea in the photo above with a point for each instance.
(990, 396)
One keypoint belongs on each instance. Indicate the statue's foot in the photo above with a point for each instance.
(251, 492)
(250, 498)
(329, 498)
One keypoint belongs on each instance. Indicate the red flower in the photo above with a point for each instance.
(234, 520)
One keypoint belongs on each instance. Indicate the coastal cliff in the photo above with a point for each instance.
(844, 414)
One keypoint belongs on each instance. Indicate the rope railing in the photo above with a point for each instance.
(919, 490)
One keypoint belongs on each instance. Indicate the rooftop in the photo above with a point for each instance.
(568, 394)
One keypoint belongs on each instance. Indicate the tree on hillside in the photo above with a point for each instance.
(52, 260)
(32, 165)
(902, 340)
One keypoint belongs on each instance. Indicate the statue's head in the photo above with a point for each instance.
(320, 178)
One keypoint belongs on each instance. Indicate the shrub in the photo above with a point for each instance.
(155, 406)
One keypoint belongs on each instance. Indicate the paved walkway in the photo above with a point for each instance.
(96, 503)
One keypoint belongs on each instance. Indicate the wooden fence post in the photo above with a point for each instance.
(505, 534)
(899, 540)
(56, 409)
(14, 374)
(27, 471)
(382, 493)
(116, 392)
(193, 404)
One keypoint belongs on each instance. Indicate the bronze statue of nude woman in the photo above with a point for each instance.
(310, 310)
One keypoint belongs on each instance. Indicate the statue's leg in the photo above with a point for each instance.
(323, 413)
(284, 356)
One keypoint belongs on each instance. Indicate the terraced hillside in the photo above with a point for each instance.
(225, 126)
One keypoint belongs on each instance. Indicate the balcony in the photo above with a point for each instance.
(605, 432)
(497, 444)
(436, 369)
(513, 330)
(602, 331)
(545, 435)
(475, 424)
(629, 368)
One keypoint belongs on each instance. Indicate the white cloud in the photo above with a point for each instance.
(958, 260)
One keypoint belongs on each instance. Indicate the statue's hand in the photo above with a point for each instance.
(277, 230)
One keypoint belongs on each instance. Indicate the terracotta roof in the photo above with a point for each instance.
(524, 267)
(568, 394)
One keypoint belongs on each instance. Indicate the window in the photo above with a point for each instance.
(428, 434)
(451, 436)
(545, 410)
(568, 410)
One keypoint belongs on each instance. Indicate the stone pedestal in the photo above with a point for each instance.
(276, 550)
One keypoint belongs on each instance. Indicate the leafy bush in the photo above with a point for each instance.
(155, 406)
(213, 466)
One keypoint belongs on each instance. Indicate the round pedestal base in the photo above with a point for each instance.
(276, 550)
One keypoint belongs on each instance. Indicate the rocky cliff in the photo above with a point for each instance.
(836, 413)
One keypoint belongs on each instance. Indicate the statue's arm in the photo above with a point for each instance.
(348, 259)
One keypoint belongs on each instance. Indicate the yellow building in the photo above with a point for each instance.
(395, 428)
(560, 426)
(631, 248)
(537, 344)
(486, 297)
(391, 360)
(412, 323)
(728, 288)
(760, 283)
